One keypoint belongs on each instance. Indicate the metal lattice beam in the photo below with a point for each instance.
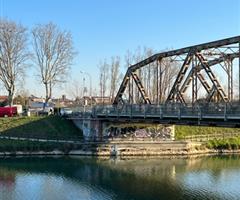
(212, 77)
(141, 88)
(200, 47)
(175, 90)
(220, 51)
(210, 90)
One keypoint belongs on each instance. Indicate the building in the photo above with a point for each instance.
(63, 102)
(96, 100)
(3, 99)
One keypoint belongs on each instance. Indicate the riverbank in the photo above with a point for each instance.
(125, 149)
(183, 131)
(53, 135)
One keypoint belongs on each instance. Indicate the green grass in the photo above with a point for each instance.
(182, 131)
(231, 143)
(227, 143)
(39, 127)
(55, 127)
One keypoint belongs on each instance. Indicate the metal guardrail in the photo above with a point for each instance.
(177, 111)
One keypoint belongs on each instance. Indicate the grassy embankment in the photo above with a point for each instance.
(54, 127)
(230, 143)
(216, 143)
(184, 131)
(46, 127)
(51, 127)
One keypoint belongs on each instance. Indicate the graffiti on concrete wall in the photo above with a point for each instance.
(151, 131)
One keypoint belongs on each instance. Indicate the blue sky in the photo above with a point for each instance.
(105, 28)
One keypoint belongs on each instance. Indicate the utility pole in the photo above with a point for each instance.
(90, 82)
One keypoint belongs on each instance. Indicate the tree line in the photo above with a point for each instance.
(156, 80)
(52, 55)
(50, 50)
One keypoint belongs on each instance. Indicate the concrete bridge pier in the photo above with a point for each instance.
(92, 129)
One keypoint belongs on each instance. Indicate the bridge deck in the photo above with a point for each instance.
(222, 115)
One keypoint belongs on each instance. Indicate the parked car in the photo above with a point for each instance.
(8, 111)
(65, 111)
(19, 109)
(46, 111)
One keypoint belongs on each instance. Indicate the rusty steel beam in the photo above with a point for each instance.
(212, 77)
(122, 88)
(185, 50)
(180, 76)
(141, 88)
(203, 81)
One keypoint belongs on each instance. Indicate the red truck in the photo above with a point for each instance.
(8, 111)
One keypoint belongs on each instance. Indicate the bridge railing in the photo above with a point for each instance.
(169, 110)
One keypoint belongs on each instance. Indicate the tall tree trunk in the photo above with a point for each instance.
(47, 93)
(10, 97)
(13, 55)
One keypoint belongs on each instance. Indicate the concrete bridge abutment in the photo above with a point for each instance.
(94, 129)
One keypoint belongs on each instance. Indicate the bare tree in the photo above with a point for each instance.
(157, 79)
(115, 75)
(104, 74)
(13, 55)
(53, 55)
(154, 78)
(74, 89)
(21, 97)
(169, 71)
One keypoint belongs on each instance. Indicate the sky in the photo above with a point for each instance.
(105, 28)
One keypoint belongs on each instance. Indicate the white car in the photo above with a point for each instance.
(65, 111)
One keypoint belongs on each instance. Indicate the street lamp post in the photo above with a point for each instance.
(90, 82)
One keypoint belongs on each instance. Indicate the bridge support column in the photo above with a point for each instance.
(91, 129)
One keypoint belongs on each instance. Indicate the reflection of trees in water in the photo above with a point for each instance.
(138, 178)
(215, 165)
(125, 183)
(7, 178)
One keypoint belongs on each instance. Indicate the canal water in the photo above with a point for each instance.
(73, 178)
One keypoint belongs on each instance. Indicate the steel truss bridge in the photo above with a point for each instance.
(199, 66)
(197, 95)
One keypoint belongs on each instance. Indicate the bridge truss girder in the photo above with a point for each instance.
(197, 68)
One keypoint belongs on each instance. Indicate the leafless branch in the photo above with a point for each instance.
(13, 55)
(53, 55)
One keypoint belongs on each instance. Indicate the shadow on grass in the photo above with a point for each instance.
(47, 127)
(44, 127)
